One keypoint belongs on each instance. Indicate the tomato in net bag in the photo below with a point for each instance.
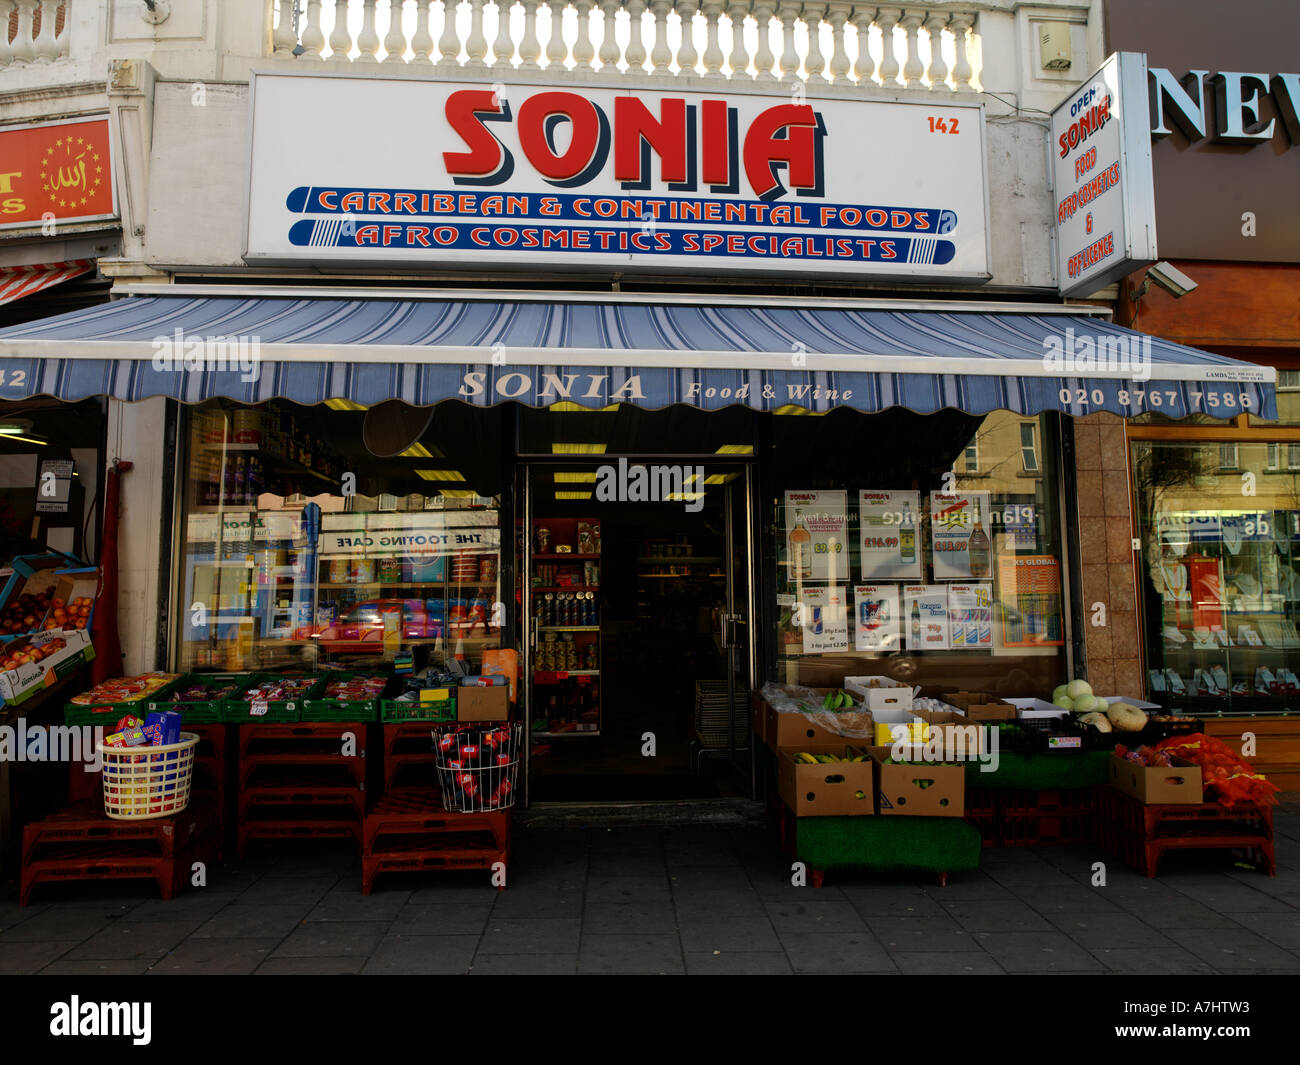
(1231, 778)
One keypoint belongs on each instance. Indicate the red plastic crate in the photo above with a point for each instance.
(86, 824)
(303, 733)
(418, 856)
(1024, 801)
(419, 812)
(115, 860)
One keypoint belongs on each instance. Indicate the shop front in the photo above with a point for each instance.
(643, 552)
(1214, 504)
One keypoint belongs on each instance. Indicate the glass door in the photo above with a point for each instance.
(736, 630)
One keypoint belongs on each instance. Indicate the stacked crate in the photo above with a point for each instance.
(407, 828)
(83, 843)
(1141, 834)
(301, 781)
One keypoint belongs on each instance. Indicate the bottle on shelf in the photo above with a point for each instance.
(916, 624)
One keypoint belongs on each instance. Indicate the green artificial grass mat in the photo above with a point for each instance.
(880, 844)
(1081, 770)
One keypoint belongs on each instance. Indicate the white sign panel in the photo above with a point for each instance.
(825, 620)
(925, 616)
(959, 524)
(970, 616)
(878, 617)
(816, 548)
(382, 171)
(1102, 177)
(888, 530)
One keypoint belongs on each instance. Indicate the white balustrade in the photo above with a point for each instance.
(890, 47)
(38, 35)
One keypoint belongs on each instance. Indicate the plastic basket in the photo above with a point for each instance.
(477, 766)
(394, 710)
(145, 782)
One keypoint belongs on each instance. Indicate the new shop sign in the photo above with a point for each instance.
(383, 172)
(1101, 170)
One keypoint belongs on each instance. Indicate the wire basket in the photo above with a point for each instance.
(145, 782)
(477, 766)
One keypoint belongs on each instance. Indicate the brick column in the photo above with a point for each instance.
(1105, 537)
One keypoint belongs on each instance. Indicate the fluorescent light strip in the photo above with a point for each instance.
(573, 477)
(578, 449)
(735, 449)
(454, 476)
(572, 495)
(343, 404)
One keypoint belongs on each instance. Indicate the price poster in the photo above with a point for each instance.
(925, 617)
(959, 535)
(970, 616)
(815, 536)
(1029, 589)
(1020, 523)
(825, 620)
(876, 616)
(889, 532)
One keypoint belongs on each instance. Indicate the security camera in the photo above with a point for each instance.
(1167, 277)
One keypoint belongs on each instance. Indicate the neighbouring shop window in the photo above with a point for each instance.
(334, 533)
(1219, 573)
(923, 548)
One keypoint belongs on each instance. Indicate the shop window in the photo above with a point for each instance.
(894, 566)
(332, 534)
(1220, 574)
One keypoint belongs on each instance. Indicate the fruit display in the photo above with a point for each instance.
(25, 612)
(839, 699)
(1077, 696)
(12, 659)
(1227, 776)
(1125, 717)
(74, 614)
(355, 689)
(804, 758)
(124, 689)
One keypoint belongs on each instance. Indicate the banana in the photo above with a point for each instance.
(805, 758)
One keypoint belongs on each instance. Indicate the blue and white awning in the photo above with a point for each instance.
(764, 353)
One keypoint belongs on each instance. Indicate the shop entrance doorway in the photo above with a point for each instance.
(636, 592)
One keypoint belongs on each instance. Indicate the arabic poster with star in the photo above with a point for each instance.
(56, 171)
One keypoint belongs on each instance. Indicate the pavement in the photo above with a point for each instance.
(674, 899)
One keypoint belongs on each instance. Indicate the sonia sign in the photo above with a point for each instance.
(379, 171)
(1101, 169)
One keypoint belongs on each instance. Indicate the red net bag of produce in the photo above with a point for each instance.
(1231, 778)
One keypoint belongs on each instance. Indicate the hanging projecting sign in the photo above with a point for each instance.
(383, 171)
(1101, 176)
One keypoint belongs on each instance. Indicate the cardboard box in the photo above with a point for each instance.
(887, 693)
(70, 584)
(955, 731)
(887, 720)
(1179, 784)
(791, 730)
(918, 789)
(20, 683)
(758, 716)
(980, 706)
(476, 703)
(832, 789)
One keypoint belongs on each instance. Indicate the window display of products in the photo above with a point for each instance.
(967, 575)
(1220, 574)
(366, 578)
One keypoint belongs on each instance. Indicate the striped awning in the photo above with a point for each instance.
(765, 353)
(19, 281)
